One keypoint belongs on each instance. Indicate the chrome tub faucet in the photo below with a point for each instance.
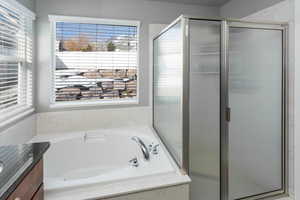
(143, 147)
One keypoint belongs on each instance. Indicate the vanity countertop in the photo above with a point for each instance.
(16, 161)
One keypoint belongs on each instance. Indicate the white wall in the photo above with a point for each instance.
(145, 11)
(19, 133)
(278, 12)
(28, 3)
(242, 8)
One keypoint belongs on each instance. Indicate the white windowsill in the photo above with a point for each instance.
(15, 116)
(93, 104)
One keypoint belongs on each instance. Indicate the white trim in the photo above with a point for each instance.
(62, 18)
(52, 61)
(11, 58)
(15, 116)
(59, 18)
(19, 7)
(138, 62)
(75, 104)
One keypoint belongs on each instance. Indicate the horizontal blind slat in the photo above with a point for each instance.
(7, 98)
(8, 105)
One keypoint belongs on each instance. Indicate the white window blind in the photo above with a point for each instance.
(16, 35)
(95, 61)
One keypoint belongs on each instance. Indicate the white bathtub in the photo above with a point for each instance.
(100, 157)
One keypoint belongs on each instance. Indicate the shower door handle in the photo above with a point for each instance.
(228, 114)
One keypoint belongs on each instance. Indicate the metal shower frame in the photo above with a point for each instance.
(224, 67)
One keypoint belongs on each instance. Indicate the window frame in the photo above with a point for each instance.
(19, 111)
(88, 20)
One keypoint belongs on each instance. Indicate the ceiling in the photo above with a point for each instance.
(199, 2)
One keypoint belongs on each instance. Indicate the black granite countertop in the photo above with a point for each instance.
(17, 161)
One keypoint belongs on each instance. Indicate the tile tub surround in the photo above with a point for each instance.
(83, 120)
(18, 161)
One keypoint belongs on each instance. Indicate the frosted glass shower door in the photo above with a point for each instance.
(205, 38)
(168, 89)
(255, 95)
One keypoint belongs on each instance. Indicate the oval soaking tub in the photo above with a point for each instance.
(101, 157)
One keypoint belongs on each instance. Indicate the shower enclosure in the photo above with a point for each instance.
(220, 105)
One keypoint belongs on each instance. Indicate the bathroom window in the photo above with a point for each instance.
(16, 35)
(95, 61)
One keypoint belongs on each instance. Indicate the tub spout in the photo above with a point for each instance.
(143, 147)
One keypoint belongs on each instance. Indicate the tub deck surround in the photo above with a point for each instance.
(120, 188)
(18, 161)
(95, 164)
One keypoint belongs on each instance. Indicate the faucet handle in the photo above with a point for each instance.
(155, 149)
(150, 147)
(134, 162)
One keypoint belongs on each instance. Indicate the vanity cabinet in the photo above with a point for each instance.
(31, 187)
(39, 195)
